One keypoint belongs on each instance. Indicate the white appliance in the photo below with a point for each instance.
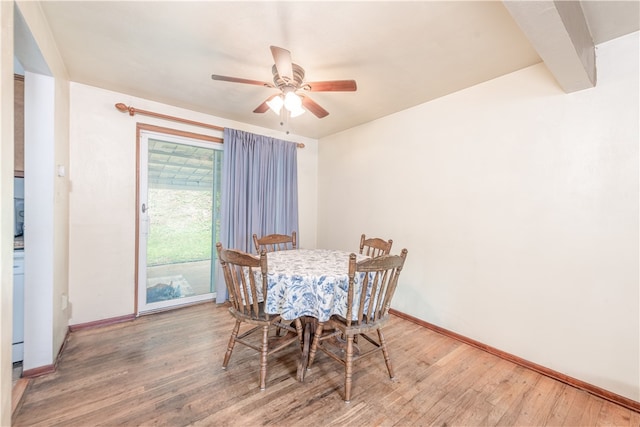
(19, 217)
(18, 306)
(18, 199)
(18, 274)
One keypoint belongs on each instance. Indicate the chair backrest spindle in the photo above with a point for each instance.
(374, 246)
(246, 278)
(379, 279)
(275, 242)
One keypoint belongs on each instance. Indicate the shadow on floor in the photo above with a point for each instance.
(197, 274)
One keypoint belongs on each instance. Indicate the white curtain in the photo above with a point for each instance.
(259, 191)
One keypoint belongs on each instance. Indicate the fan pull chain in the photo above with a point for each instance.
(284, 119)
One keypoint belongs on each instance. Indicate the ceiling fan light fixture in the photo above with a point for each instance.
(276, 104)
(292, 102)
(289, 79)
(296, 111)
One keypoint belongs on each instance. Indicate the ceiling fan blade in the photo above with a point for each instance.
(312, 106)
(282, 59)
(332, 86)
(239, 80)
(263, 108)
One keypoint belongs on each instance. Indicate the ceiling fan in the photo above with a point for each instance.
(289, 79)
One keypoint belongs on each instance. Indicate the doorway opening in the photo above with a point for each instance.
(178, 219)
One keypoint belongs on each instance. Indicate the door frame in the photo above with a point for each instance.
(160, 131)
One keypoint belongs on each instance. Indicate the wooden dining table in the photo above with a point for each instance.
(310, 284)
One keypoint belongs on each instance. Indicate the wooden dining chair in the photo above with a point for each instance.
(275, 242)
(245, 275)
(370, 309)
(374, 246)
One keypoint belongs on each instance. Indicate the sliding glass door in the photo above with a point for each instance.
(179, 206)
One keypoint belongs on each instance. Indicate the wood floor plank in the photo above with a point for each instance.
(634, 419)
(591, 412)
(538, 404)
(459, 393)
(166, 369)
(445, 385)
(558, 412)
(514, 400)
(607, 417)
(484, 386)
(577, 407)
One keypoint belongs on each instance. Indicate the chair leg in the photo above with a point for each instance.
(299, 331)
(348, 369)
(385, 353)
(264, 350)
(314, 344)
(232, 343)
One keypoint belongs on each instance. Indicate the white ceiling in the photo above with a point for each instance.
(400, 53)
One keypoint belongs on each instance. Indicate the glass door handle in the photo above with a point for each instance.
(144, 208)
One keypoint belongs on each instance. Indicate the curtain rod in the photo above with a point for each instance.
(122, 107)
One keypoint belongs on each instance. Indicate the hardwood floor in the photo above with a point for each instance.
(165, 369)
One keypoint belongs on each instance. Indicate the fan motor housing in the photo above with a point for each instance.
(298, 77)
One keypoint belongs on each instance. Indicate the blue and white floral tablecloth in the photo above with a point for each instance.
(308, 282)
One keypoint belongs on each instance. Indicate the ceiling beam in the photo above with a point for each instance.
(558, 31)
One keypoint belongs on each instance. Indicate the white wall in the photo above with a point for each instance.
(37, 53)
(46, 145)
(39, 96)
(103, 196)
(518, 204)
(6, 208)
